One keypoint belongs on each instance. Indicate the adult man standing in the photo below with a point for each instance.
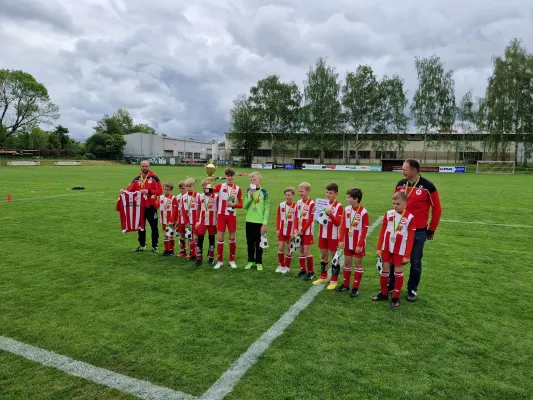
(421, 196)
(150, 186)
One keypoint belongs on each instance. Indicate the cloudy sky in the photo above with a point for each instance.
(177, 65)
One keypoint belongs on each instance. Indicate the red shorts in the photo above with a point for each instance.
(352, 253)
(181, 228)
(328, 244)
(308, 240)
(283, 238)
(229, 221)
(210, 229)
(391, 258)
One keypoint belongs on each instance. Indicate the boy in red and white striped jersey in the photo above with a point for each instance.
(191, 208)
(328, 240)
(207, 222)
(285, 226)
(180, 219)
(229, 198)
(305, 214)
(354, 227)
(394, 246)
(167, 208)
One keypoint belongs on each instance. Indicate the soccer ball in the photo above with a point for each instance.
(188, 233)
(263, 243)
(336, 258)
(295, 244)
(169, 232)
(379, 265)
(322, 218)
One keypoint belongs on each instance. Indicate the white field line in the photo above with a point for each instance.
(136, 387)
(453, 221)
(58, 195)
(225, 384)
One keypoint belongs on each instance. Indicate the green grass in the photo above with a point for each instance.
(70, 284)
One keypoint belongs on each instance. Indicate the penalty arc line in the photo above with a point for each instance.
(225, 384)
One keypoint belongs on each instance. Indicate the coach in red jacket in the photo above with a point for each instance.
(149, 185)
(422, 196)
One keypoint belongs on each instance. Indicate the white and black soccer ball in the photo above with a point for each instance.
(263, 243)
(336, 258)
(379, 265)
(292, 248)
(322, 218)
(297, 241)
(169, 232)
(188, 233)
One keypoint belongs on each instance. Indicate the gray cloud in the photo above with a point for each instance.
(178, 66)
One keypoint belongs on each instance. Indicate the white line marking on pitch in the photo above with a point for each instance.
(485, 223)
(225, 384)
(58, 195)
(137, 387)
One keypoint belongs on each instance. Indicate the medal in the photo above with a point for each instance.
(350, 234)
(396, 227)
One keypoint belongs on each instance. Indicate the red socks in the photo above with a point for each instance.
(232, 249)
(310, 265)
(302, 263)
(281, 258)
(220, 251)
(383, 282)
(288, 260)
(346, 273)
(398, 283)
(358, 274)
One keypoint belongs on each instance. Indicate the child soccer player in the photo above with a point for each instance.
(285, 226)
(180, 219)
(167, 208)
(191, 207)
(394, 246)
(207, 222)
(354, 227)
(328, 240)
(229, 198)
(257, 204)
(305, 214)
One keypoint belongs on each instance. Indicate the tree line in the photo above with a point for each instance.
(330, 115)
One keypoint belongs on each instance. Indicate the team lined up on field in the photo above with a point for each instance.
(193, 215)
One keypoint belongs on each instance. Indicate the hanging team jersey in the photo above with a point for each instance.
(305, 214)
(208, 213)
(226, 191)
(331, 229)
(167, 209)
(131, 206)
(397, 233)
(286, 218)
(354, 227)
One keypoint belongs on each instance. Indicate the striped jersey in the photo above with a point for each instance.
(305, 216)
(286, 218)
(131, 206)
(191, 207)
(208, 213)
(226, 192)
(354, 227)
(397, 233)
(167, 208)
(331, 229)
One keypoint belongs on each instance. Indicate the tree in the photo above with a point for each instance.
(433, 106)
(24, 103)
(276, 106)
(360, 99)
(120, 123)
(509, 99)
(245, 128)
(466, 121)
(321, 113)
(106, 146)
(144, 128)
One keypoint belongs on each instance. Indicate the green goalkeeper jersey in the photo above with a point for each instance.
(257, 206)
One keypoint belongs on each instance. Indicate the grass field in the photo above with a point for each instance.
(70, 284)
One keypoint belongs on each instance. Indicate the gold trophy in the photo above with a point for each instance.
(210, 170)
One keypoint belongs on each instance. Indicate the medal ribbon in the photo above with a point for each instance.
(258, 197)
(304, 203)
(412, 187)
(353, 219)
(396, 227)
(206, 203)
(143, 180)
(287, 210)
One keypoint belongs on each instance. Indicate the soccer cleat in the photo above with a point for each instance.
(411, 295)
(164, 254)
(309, 277)
(188, 256)
(139, 249)
(395, 302)
(232, 264)
(155, 250)
(285, 270)
(380, 297)
(218, 265)
(355, 293)
(279, 269)
(342, 288)
(198, 262)
(332, 285)
(319, 281)
(211, 260)
(259, 267)
(171, 253)
(300, 274)
(249, 265)
(181, 254)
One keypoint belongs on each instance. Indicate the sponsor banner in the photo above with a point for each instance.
(23, 163)
(375, 168)
(172, 161)
(313, 166)
(262, 166)
(288, 166)
(67, 163)
(320, 204)
(429, 169)
(459, 169)
(343, 167)
(353, 168)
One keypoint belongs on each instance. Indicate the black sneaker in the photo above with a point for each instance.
(411, 295)
(342, 288)
(211, 261)
(192, 258)
(155, 250)
(395, 302)
(198, 262)
(380, 297)
(139, 249)
(309, 277)
(171, 253)
(300, 274)
(355, 293)
(165, 253)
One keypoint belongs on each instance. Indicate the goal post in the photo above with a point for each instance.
(495, 167)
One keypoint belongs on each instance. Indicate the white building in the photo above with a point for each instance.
(145, 145)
